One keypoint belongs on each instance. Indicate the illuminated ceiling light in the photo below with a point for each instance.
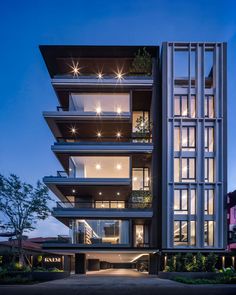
(118, 166)
(185, 168)
(147, 178)
(100, 193)
(140, 255)
(118, 111)
(119, 205)
(118, 134)
(100, 75)
(99, 134)
(135, 178)
(98, 110)
(70, 169)
(118, 193)
(73, 191)
(119, 75)
(98, 166)
(102, 206)
(73, 130)
(75, 70)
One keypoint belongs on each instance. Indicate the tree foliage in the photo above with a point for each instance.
(22, 205)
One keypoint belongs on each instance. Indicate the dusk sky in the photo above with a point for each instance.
(25, 84)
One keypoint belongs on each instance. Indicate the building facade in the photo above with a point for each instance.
(141, 135)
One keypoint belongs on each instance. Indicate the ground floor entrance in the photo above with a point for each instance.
(142, 262)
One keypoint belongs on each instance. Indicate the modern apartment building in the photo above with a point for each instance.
(141, 135)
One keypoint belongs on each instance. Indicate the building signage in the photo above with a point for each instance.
(52, 259)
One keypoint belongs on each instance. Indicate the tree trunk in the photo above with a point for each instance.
(20, 250)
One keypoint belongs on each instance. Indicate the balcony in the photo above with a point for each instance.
(103, 205)
(103, 117)
(102, 209)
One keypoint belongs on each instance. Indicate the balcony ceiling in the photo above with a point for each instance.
(51, 53)
(62, 127)
(89, 192)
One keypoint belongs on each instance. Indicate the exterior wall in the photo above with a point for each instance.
(218, 90)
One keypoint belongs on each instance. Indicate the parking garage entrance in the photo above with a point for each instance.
(143, 262)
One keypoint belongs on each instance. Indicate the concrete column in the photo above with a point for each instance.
(154, 263)
(67, 263)
(93, 264)
(80, 263)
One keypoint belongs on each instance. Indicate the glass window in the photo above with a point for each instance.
(209, 106)
(193, 106)
(209, 170)
(181, 201)
(100, 232)
(184, 169)
(193, 201)
(100, 103)
(208, 68)
(180, 233)
(209, 139)
(139, 235)
(110, 204)
(181, 229)
(177, 139)
(182, 108)
(209, 201)
(101, 167)
(176, 169)
(192, 233)
(209, 233)
(186, 140)
(140, 179)
(140, 121)
(188, 169)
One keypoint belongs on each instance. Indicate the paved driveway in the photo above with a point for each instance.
(116, 282)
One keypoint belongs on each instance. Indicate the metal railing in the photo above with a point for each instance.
(105, 205)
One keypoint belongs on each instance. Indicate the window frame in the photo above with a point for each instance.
(207, 203)
(207, 139)
(207, 170)
(207, 106)
(189, 102)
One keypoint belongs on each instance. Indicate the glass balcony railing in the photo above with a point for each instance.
(104, 205)
(135, 138)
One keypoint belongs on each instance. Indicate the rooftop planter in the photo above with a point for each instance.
(142, 63)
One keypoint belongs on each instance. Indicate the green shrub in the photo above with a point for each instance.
(142, 62)
(211, 261)
(171, 264)
(54, 269)
(218, 280)
(200, 262)
(180, 265)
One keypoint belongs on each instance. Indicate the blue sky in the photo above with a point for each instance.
(25, 85)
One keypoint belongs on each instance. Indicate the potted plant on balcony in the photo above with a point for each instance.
(143, 129)
(142, 63)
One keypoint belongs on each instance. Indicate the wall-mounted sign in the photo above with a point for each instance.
(52, 259)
